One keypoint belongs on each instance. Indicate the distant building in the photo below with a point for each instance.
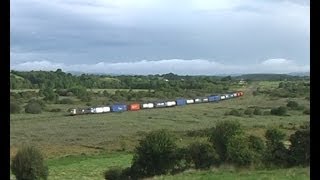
(242, 82)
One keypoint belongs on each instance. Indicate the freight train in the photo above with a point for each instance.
(152, 105)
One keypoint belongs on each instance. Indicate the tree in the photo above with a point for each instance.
(203, 155)
(292, 105)
(49, 94)
(280, 111)
(300, 146)
(276, 153)
(14, 107)
(33, 108)
(28, 164)
(155, 154)
(221, 134)
(238, 150)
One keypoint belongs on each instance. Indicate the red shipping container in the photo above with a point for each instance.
(134, 107)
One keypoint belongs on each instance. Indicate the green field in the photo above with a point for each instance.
(86, 145)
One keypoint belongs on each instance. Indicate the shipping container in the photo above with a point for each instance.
(118, 107)
(213, 98)
(235, 95)
(205, 99)
(231, 95)
(197, 100)
(98, 110)
(241, 93)
(181, 102)
(170, 103)
(106, 109)
(134, 107)
(238, 94)
(190, 101)
(227, 96)
(147, 105)
(222, 97)
(159, 104)
(73, 111)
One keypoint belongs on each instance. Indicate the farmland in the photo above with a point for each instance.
(84, 146)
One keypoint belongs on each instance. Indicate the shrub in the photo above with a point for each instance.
(56, 110)
(114, 173)
(292, 105)
(33, 108)
(306, 111)
(203, 155)
(220, 135)
(248, 111)
(238, 151)
(257, 111)
(235, 112)
(14, 108)
(155, 154)
(257, 145)
(300, 147)
(276, 153)
(28, 164)
(66, 101)
(280, 111)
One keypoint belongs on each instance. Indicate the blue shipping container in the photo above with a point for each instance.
(118, 107)
(214, 98)
(181, 102)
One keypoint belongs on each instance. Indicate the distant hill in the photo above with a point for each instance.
(271, 76)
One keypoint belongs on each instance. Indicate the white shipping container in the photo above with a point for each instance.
(98, 110)
(190, 101)
(231, 95)
(106, 109)
(222, 97)
(205, 99)
(147, 105)
(197, 100)
(234, 94)
(170, 103)
(160, 104)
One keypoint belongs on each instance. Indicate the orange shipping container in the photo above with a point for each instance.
(134, 107)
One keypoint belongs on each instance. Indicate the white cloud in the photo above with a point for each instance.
(178, 66)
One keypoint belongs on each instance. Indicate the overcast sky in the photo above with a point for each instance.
(161, 36)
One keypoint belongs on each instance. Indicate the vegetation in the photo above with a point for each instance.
(33, 108)
(101, 142)
(14, 107)
(280, 111)
(155, 154)
(28, 164)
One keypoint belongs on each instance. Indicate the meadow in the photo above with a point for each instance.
(82, 147)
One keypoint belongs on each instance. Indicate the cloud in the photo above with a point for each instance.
(178, 66)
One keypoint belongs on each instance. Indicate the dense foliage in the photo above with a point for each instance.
(28, 164)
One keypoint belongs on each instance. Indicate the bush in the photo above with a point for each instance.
(114, 173)
(238, 151)
(28, 164)
(33, 108)
(235, 113)
(276, 153)
(220, 135)
(66, 101)
(203, 155)
(307, 111)
(257, 145)
(155, 154)
(280, 111)
(14, 108)
(248, 111)
(292, 105)
(56, 110)
(257, 111)
(300, 147)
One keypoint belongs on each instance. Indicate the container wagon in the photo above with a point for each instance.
(181, 102)
(134, 107)
(222, 97)
(147, 105)
(170, 103)
(118, 107)
(197, 100)
(190, 101)
(159, 104)
(205, 99)
(213, 98)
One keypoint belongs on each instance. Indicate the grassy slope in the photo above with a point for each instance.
(58, 135)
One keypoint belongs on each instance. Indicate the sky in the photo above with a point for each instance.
(187, 37)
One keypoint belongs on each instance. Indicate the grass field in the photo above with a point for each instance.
(94, 142)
